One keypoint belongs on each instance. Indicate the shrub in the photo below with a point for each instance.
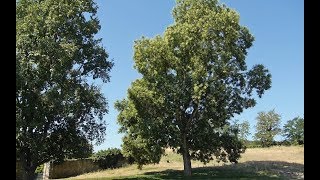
(285, 143)
(253, 144)
(110, 158)
(130, 159)
(39, 169)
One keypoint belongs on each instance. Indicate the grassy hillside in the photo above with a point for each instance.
(257, 163)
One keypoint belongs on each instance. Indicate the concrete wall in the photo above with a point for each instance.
(68, 168)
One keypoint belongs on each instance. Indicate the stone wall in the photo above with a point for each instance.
(18, 170)
(68, 168)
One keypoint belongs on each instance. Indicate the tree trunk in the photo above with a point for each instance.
(29, 173)
(28, 167)
(186, 158)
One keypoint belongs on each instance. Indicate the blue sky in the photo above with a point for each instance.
(278, 27)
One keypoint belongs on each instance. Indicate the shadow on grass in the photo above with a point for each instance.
(247, 170)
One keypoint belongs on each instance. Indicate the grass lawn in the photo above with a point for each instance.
(257, 163)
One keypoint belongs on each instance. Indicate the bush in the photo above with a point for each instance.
(110, 158)
(285, 143)
(253, 144)
(39, 169)
(130, 159)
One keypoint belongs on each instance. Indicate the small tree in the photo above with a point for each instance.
(293, 130)
(268, 126)
(194, 79)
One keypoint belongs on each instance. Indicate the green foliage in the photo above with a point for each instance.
(39, 169)
(253, 144)
(57, 110)
(257, 144)
(194, 79)
(83, 149)
(268, 126)
(110, 158)
(243, 130)
(142, 150)
(285, 143)
(293, 130)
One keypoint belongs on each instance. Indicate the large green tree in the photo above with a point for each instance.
(293, 130)
(194, 79)
(58, 110)
(268, 126)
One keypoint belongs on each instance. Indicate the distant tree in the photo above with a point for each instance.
(243, 130)
(268, 126)
(58, 112)
(194, 79)
(293, 130)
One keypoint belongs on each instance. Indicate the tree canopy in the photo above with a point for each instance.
(293, 130)
(194, 79)
(243, 129)
(59, 109)
(268, 126)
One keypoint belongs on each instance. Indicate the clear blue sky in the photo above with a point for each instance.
(278, 27)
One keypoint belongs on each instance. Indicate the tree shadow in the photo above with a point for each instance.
(280, 168)
(246, 170)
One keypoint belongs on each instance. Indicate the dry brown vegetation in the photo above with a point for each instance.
(291, 154)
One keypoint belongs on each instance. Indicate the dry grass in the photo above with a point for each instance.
(291, 154)
(284, 162)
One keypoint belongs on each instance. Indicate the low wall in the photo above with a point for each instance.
(18, 170)
(68, 168)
